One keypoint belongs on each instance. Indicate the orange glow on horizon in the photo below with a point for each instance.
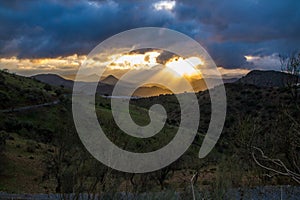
(180, 67)
(117, 64)
(58, 63)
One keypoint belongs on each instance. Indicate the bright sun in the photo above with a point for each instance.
(184, 67)
(180, 67)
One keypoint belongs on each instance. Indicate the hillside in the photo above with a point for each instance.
(42, 149)
(105, 86)
(111, 80)
(54, 79)
(17, 91)
(151, 91)
(267, 78)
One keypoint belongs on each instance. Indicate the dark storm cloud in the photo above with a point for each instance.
(52, 28)
(163, 57)
(228, 29)
(244, 20)
(244, 27)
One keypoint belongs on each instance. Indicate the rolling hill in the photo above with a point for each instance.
(110, 80)
(54, 79)
(17, 91)
(105, 86)
(267, 78)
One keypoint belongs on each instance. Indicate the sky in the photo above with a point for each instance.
(55, 36)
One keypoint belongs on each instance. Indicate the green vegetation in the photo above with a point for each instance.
(41, 152)
(17, 91)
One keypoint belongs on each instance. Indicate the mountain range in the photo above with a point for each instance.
(106, 84)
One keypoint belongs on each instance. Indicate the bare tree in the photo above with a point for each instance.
(289, 164)
(162, 175)
(291, 65)
(274, 165)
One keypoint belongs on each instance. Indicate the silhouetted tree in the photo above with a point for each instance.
(3, 137)
(162, 175)
(291, 65)
(47, 87)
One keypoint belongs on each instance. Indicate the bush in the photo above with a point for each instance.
(67, 181)
(48, 87)
(30, 146)
(3, 137)
(2, 79)
(4, 99)
(11, 124)
(58, 92)
(45, 135)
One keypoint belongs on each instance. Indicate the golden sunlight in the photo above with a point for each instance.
(179, 66)
(184, 67)
(135, 61)
(121, 63)
(66, 63)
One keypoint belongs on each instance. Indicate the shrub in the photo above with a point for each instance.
(4, 99)
(30, 146)
(45, 135)
(24, 132)
(67, 181)
(238, 98)
(58, 92)
(11, 124)
(3, 137)
(2, 79)
(48, 87)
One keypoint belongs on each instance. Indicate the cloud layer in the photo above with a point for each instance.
(229, 30)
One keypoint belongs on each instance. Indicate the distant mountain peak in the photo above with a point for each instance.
(47, 76)
(110, 79)
(268, 78)
(53, 79)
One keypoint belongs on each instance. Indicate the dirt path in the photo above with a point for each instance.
(24, 108)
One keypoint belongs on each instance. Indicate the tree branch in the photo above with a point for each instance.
(285, 171)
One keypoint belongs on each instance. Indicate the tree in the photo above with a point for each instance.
(274, 165)
(5, 70)
(162, 175)
(47, 87)
(4, 99)
(3, 137)
(284, 160)
(291, 65)
(2, 79)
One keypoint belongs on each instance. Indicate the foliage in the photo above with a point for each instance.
(47, 87)
(17, 91)
(3, 137)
